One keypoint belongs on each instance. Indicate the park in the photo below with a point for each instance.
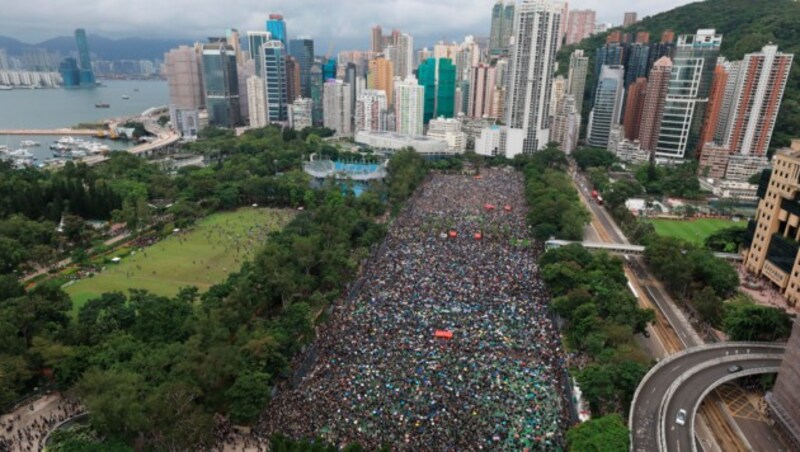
(201, 256)
(693, 231)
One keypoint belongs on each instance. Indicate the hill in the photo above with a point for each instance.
(104, 48)
(746, 25)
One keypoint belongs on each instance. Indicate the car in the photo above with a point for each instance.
(680, 419)
(735, 368)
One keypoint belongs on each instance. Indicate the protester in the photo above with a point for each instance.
(23, 431)
(382, 377)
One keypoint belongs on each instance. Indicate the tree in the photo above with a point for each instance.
(116, 399)
(11, 255)
(746, 321)
(709, 306)
(248, 396)
(727, 240)
(601, 434)
(587, 157)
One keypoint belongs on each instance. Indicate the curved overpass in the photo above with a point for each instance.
(681, 381)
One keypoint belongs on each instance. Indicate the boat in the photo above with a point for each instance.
(125, 97)
(102, 105)
(28, 144)
(20, 153)
(136, 90)
(6, 87)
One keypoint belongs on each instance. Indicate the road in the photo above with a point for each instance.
(679, 381)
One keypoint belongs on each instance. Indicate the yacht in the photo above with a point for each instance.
(125, 97)
(6, 87)
(20, 153)
(28, 144)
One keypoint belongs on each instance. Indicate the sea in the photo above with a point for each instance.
(55, 108)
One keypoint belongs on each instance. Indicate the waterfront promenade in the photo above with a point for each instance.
(62, 131)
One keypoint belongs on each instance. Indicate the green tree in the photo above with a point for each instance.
(248, 396)
(11, 255)
(116, 399)
(601, 434)
(587, 157)
(709, 306)
(746, 321)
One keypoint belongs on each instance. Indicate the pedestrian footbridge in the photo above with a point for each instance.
(623, 249)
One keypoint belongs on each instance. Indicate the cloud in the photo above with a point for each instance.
(343, 21)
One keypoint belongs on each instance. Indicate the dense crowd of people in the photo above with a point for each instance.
(25, 429)
(448, 344)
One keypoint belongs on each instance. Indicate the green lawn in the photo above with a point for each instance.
(201, 256)
(694, 231)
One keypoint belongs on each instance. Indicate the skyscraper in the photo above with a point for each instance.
(666, 47)
(292, 79)
(607, 106)
(301, 114)
(70, 73)
(409, 106)
(370, 111)
(715, 101)
(566, 124)
(609, 55)
(274, 57)
(635, 62)
(337, 110)
(558, 88)
(184, 73)
(329, 69)
(438, 76)
(256, 39)
(481, 91)
(722, 128)
(692, 71)
(302, 50)
(634, 106)
(376, 40)
(316, 95)
(576, 77)
(536, 26)
(629, 19)
(580, 25)
(502, 28)
(235, 41)
(257, 102)
(87, 75)
(277, 28)
(404, 56)
(381, 77)
(761, 83)
(221, 82)
(654, 102)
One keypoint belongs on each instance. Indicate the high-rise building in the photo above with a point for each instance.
(257, 101)
(438, 76)
(654, 102)
(665, 48)
(536, 27)
(316, 95)
(761, 83)
(722, 128)
(381, 77)
(235, 41)
(352, 78)
(70, 73)
(576, 77)
(274, 58)
(449, 131)
(609, 55)
(409, 105)
(634, 106)
(221, 82)
(607, 106)
(292, 79)
(692, 71)
(467, 57)
(87, 74)
(502, 28)
(329, 69)
(277, 28)
(481, 91)
(376, 40)
(404, 56)
(558, 88)
(370, 111)
(302, 50)
(580, 25)
(629, 19)
(715, 101)
(636, 57)
(255, 40)
(784, 399)
(184, 71)
(337, 110)
(566, 124)
(301, 114)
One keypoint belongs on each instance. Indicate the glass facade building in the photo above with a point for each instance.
(329, 69)
(70, 73)
(221, 83)
(256, 39)
(86, 73)
(277, 28)
(438, 77)
(302, 50)
(607, 106)
(316, 95)
(274, 57)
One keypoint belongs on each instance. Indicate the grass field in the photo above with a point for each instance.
(201, 256)
(694, 231)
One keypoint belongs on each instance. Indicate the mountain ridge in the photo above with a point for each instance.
(104, 48)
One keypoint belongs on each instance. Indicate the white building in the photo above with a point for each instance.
(403, 56)
(257, 102)
(409, 103)
(301, 113)
(537, 27)
(371, 111)
(566, 124)
(449, 131)
(500, 141)
(389, 142)
(337, 109)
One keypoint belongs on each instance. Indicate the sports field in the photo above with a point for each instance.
(202, 256)
(694, 231)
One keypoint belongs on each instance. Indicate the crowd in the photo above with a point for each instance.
(448, 344)
(25, 429)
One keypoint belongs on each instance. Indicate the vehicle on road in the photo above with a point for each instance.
(735, 368)
(680, 419)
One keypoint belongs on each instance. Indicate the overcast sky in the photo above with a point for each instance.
(347, 22)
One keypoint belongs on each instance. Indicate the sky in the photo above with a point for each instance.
(346, 22)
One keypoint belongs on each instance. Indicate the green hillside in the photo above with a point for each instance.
(746, 25)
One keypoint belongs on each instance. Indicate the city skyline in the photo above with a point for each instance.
(346, 27)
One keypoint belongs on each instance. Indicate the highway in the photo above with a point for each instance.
(681, 381)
